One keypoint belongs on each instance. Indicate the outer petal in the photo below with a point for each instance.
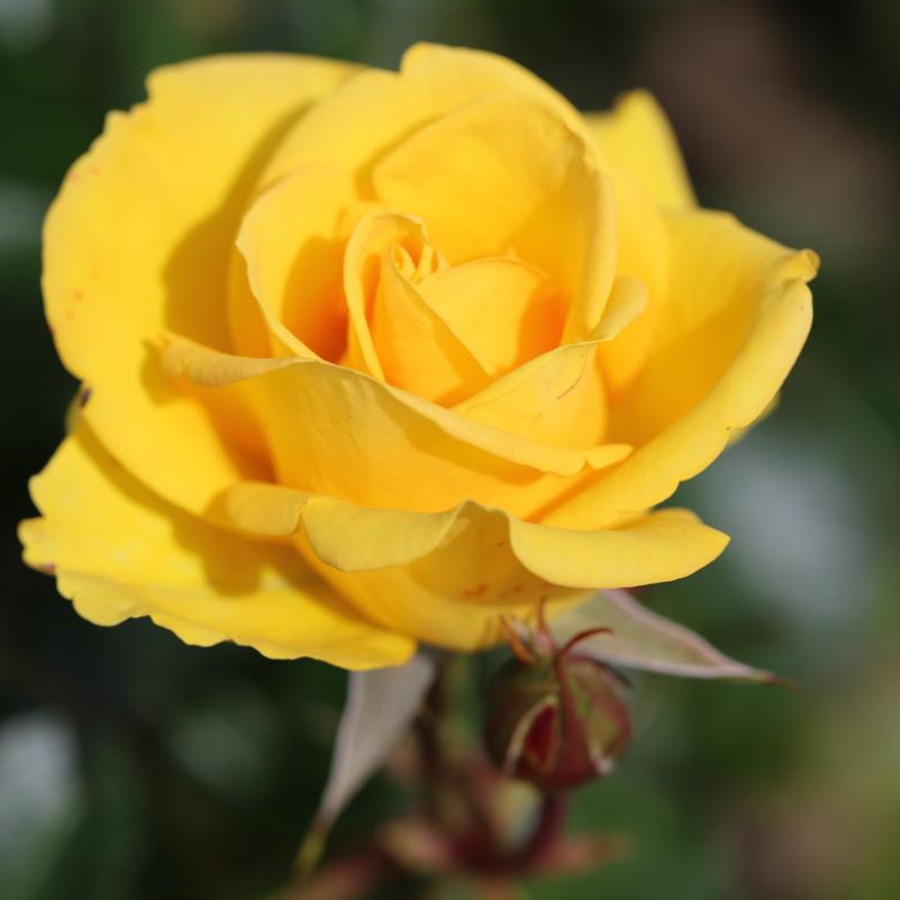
(447, 577)
(456, 74)
(366, 442)
(637, 137)
(738, 316)
(120, 552)
(644, 255)
(373, 112)
(138, 242)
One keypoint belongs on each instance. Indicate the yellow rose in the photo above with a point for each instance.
(373, 358)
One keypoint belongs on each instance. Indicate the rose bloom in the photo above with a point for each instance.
(371, 358)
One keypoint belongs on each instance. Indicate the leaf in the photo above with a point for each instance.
(642, 639)
(381, 703)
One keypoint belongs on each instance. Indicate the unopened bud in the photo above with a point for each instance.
(556, 718)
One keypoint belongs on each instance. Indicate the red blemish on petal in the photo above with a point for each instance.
(477, 591)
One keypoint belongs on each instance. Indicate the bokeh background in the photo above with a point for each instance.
(135, 768)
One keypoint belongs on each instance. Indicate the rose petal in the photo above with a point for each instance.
(447, 577)
(452, 74)
(559, 397)
(501, 308)
(394, 333)
(637, 137)
(292, 240)
(119, 552)
(455, 75)
(361, 120)
(138, 242)
(503, 175)
(367, 442)
(645, 256)
(739, 314)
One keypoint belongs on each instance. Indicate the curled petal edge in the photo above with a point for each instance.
(660, 546)
(211, 368)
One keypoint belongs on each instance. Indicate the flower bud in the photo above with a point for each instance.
(556, 720)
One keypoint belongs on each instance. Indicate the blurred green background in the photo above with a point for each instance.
(134, 767)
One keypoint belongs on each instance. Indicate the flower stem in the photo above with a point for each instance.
(545, 835)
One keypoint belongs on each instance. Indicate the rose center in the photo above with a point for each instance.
(441, 331)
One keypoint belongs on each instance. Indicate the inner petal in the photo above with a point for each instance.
(415, 348)
(292, 241)
(503, 309)
(559, 397)
(504, 176)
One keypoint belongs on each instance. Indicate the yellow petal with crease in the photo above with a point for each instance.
(454, 75)
(418, 349)
(504, 310)
(120, 552)
(738, 315)
(644, 255)
(138, 242)
(559, 397)
(367, 251)
(293, 240)
(372, 444)
(448, 576)
(661, 546)
(351, 127)
(637, 136)
(362, 120)
(504, 175)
